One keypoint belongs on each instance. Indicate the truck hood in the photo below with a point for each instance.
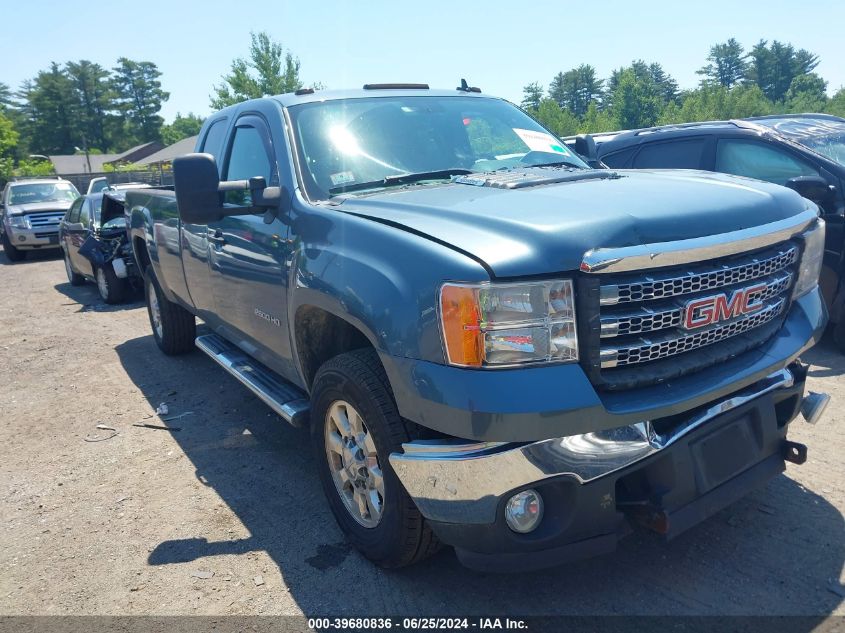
(547, 228)
(37, 207)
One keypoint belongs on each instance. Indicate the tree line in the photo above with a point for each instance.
(770, 78)
(81, 105)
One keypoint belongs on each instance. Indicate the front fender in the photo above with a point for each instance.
(381, 279)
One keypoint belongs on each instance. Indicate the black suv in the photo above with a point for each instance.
(803, 151)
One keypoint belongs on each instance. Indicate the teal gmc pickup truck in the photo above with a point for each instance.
(494, 346)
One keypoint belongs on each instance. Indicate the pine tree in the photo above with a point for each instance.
(727, 65)
(270, 70)
(139, 97)
(50, 112)
(94, 100)
(532, 95)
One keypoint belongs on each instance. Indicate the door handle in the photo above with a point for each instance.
(216, 236)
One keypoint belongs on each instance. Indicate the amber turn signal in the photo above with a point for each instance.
(460, 318)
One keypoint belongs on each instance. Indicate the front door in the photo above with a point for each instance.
(195, 246)
(248, 255)
(79, 231)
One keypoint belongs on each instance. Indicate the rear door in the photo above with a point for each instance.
(248, 255)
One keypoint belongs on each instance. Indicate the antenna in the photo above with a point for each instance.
(465, 87)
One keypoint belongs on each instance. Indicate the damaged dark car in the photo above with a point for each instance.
(94, 239)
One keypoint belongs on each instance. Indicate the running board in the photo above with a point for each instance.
(288, 401)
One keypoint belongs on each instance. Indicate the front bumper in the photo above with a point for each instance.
(671, 473)
(537, 403)
(46, 237)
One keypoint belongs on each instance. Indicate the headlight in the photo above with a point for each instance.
(490, 324)
(18, 222)
(811, 260)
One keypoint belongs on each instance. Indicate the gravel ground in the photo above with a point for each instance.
(226, 516)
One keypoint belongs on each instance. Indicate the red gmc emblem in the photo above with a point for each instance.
(710, 310)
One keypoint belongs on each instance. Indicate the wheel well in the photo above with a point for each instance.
(142, 257)
(321, 335)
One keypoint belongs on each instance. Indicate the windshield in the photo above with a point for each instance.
(825, 136)
(830, 145)
(43, 192)
(346, 144)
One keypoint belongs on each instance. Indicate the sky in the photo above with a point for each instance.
(496, 45)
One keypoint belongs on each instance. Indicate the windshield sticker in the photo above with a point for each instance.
(541, 142)
(342, 178)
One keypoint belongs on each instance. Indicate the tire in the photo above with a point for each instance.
(401, 536)
(12, 254)
(73, 277)
(112, 288)
(175, 328)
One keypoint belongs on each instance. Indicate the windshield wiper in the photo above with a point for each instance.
(402, 179)
(557, 163)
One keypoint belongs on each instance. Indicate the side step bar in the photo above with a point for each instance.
(288, 401)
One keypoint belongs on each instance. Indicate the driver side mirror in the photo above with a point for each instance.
(814, 188)
(199, 191)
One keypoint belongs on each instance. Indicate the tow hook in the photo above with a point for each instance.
(813, 406)
(793, 452)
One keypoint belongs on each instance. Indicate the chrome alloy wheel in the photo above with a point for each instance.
(102, 284)
(155, 311)
(353, 462)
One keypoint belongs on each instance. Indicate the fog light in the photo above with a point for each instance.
(524, 511)
(21, 238)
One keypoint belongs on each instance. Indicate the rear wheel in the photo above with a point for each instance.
(355, 425)
(174, 328)
(112, 288)
(73, 277)
(12, 254)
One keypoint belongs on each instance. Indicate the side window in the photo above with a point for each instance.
(213, 141)
(247, 158)
(685, 154)
(73, 213)
(85, 214)
(620, 159)
(757, 160)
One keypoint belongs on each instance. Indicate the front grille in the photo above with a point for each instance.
(670, 314)
(640, 336)
(672, 285)
(671, 344)
(45, 219)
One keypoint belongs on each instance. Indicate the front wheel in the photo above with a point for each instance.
(355, 425)
(12, 254)
(112, 288)
(174, 328)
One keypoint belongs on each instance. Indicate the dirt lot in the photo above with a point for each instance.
(137, 524)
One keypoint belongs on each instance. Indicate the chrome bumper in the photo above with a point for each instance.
(33, 238)
(458, 482)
